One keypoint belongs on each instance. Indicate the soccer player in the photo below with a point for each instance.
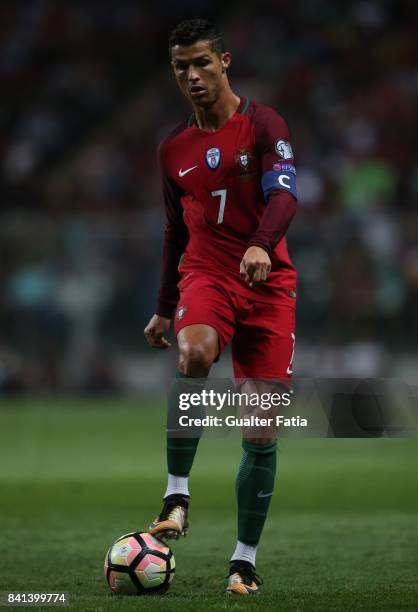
(230, 194)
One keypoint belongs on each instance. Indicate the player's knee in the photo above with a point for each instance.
(195, 359)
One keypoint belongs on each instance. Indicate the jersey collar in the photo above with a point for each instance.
(241, 110)
(243, 105)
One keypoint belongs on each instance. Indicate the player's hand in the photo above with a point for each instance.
(156, 330)
(255, 265)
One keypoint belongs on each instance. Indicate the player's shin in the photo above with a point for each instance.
(182, 442)
(181, 447)
(254, 488)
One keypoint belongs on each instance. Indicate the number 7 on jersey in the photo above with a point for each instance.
(222, 194)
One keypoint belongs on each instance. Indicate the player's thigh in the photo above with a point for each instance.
(204, 316)
(264, 341)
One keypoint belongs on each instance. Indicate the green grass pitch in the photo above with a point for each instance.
(342, 533)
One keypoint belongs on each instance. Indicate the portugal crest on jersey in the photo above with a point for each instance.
(242, 158)
(181, 311)
(243, 162)
(213, 157)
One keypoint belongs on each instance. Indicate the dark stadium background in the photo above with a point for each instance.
(87, 94)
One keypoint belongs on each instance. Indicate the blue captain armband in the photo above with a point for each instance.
(285, 178)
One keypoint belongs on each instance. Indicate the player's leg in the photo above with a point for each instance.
(198, 348)
(254, 489)
(202, 329)
(262, 349)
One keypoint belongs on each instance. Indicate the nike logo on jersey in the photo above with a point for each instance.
(184, 172)
(261, 494)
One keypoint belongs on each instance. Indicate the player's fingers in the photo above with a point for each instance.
(251, 269)
(265, 272)
(257, 276)
(160, 342)
(243, 270)
(163, 343)
(260, 273)
(155, 339)
(149, 336)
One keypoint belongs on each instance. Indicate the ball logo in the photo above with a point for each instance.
(213, 157)
(284, 149)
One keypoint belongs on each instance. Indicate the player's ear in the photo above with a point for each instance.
(225, 60)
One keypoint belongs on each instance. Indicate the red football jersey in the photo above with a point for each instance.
(216, 188)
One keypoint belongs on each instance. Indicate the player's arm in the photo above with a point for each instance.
(279, 188)
(175, 241)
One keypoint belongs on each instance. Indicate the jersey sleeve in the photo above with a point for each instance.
(273, 145)
(278, 178)
(176, 238)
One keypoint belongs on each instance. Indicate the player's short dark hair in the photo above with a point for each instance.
(193, 30)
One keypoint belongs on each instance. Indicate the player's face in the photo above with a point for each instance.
(200, 72)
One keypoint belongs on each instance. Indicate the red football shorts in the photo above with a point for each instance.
(262, 335)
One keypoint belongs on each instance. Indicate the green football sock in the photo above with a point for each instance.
(254, 488)
(181, 451)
